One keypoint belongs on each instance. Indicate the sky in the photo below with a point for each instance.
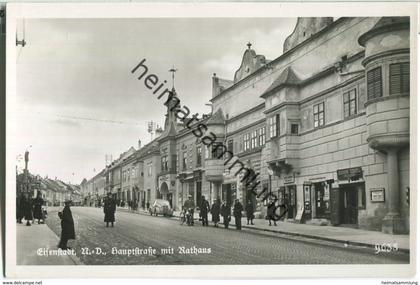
(78, 101)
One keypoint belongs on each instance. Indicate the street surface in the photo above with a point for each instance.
(133, 230)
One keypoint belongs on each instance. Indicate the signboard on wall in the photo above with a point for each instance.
(354, 173)
(289, 179)
(377, 195)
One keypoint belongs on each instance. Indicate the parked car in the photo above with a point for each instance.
(161, 207)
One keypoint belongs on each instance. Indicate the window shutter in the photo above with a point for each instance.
(374, 82)
(277, 125)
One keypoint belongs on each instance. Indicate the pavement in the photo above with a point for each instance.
(342, 235)
(35, 242)
(133, 235)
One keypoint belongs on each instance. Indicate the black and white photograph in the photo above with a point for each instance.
(203, 139)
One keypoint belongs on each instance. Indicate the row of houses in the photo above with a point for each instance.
(325, 124)
(53, 191)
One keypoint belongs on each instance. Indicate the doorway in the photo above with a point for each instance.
(198, 190)
(349, 203)
(227, 194)
(321, 200)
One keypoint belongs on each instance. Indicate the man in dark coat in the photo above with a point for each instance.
(38, 202)
(215, 213)
(67, 225)
(27, 207)
(237, 212)
(189, 205)
(20, 208)
(204, 210)
(225, 211)
(249, 212)
(109, 210)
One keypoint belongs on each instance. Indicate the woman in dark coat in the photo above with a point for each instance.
(67, 226)
(271, 213)
(38, 202)
(249, 212)
(237, 212)
(215, 213)
(225, 211)
(109, 210)
(27, 207)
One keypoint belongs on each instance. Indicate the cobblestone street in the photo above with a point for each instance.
(227, 246)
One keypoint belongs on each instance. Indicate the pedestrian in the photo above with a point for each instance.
(215, 213)
(20, 208)
(204, 210)
(225, 211)
(28, 209)
(109, 210)
(67, 226)
(271, 212)
(249, 213)
(147, 205)
(189, 206)
(38, 203)
(237, 212)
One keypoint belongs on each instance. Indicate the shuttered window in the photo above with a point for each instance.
(399, 78)
(374, 83)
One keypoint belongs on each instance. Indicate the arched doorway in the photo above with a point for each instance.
(164, 191)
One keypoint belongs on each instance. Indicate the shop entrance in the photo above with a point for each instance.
(321, 200)
(350, 198)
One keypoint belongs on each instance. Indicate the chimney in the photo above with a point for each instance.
(139, 143)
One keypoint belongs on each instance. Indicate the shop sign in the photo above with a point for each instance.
(354, 173)
(377, 195)
(289, 179)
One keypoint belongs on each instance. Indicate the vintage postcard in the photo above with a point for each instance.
(211, 140)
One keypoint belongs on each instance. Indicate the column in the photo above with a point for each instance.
(393, 223)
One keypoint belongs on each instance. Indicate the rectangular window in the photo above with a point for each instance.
(399, 78)
(350, 103)
(217, 151)
(199, 155)
(294, 129)
(254, 139)
(374, 83)
(273, 124)
(319, 115)
(230, 146)
(149, 170)
(184, 160)
(164, 160)
(261, 137)
(246, 142)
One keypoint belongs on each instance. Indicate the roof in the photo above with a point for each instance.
(385, 24)
(217, 118)
(287, 78)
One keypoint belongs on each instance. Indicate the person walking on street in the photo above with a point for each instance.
(147, 205)
(215, 213)
(271, 211)
(67, 226)
(204, 211)
(225, 211)
(109, 210)
(237, 212)
(28, 210)
(189, 205)
(249, 213)
(38, 203)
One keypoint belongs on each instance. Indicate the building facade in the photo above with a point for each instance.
(325, 126)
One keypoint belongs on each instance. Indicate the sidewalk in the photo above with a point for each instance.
(39, 237)
(348, 236)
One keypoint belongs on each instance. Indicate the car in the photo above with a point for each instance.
(161, 207)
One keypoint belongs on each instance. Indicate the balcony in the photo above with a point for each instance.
(214, 170)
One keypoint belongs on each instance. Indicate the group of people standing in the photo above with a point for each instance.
(219, 208)
(30, 209)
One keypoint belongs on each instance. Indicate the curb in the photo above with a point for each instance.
(355, 243)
